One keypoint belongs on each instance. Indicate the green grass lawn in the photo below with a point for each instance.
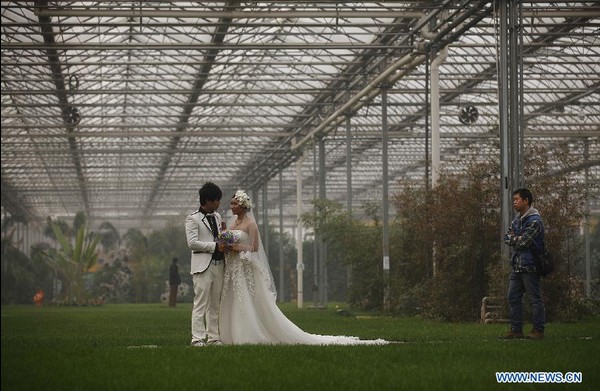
(146, 347)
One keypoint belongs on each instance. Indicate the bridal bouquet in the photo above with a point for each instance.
(227, 238)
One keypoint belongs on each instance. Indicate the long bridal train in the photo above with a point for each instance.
(249, 313)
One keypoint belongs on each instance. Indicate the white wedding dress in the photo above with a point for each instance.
(249, 313)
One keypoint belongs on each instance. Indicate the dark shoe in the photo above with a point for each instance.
(513, 335)
(536, 334)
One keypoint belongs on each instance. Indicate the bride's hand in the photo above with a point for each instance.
(225, 248)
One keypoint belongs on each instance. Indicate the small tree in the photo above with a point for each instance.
(340, 232)
(18, 284)
(109, 236)
(448, 237)
(137, 248)
(74, 258)
(560, 197)
(450, 240)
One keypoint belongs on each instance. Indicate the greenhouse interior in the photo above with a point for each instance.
(119, 111)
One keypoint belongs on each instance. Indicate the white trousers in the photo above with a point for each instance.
(207, 299)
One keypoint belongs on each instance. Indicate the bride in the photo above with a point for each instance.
(249, 314)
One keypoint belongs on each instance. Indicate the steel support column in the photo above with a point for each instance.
(322, 245)
(511, 138)
(299, 232)
(280, 296)
(586, 224)
(384, 196)
(265, 219)
(348, 184)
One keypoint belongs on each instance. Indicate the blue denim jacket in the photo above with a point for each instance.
(527, 239)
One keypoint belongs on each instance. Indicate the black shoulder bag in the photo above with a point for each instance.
(543, 262)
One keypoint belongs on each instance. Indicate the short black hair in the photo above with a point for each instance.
(174, 259)
(525, 194)
(209, 192)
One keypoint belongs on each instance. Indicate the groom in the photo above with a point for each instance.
(201, 230)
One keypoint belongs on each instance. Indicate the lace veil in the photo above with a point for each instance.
(259, 258)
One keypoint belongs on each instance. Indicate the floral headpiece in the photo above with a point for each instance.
(243, 199)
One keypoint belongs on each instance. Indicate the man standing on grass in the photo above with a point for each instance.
(525, 236)
(208, 258)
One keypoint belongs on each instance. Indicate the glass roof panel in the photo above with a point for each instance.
(124, 109)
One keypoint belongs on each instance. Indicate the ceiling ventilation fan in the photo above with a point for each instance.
(468, 115)
(71, 115)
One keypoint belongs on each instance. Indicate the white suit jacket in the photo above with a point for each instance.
(200, 240)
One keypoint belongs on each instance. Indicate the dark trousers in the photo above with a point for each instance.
(173, 295)
(522, 284)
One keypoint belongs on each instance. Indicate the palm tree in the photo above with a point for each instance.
(74, 258)
(49, 230)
